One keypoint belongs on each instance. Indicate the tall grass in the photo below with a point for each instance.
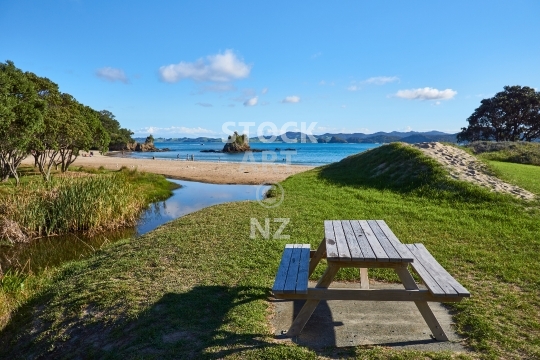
(90, 203)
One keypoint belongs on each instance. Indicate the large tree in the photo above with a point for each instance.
(511, 115)
(20, 118)
(120, 137)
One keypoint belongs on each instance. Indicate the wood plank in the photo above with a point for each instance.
(422, 306)
(364, 279)
(386, 244)
(281, 275)
(310, 305)
(294, 267)
(369, 295)
(303, 270)
(433, 268)
(356, 252)
(398, 245)
(378, 250)
(330, 239)
(361, 238)
(316, 256)
(343, 248)
(445, 276)
(426, 277)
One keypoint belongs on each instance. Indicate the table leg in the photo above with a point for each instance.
(310, 305)
(423, 307)
(321, 251)
(364, 280)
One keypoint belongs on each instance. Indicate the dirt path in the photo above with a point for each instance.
(466, 167)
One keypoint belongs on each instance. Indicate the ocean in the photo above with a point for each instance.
(293, 153)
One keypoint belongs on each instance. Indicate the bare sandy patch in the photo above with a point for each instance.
(203, 171)
(464, 166)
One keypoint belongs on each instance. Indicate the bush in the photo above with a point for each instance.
(507, 151)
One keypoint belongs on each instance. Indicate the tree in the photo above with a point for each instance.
(20, 118)
(44, 145)
(511, 115)
(120, 137)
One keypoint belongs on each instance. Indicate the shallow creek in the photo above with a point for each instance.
(55, 250)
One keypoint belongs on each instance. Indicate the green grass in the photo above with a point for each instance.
(524, 176)
(198, 286)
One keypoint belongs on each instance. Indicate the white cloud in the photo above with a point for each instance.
(196, 131)
(426, 93)
(353, 88)
(264, 91)
(381, 80)
(316, 55)
(343, 106)
(322, 82)
(204, 104)
(291, 99)
(112, 74)
(251, 102)
(217, 68)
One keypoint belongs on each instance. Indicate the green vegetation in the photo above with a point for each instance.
(37, 119)
(524, 176)
(510, 115)
(93, 202)
(119, 136)
(508, 151)
(194, 288)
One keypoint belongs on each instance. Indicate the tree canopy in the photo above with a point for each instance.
(36, 118)
(511, 115)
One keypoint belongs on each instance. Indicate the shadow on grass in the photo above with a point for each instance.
(201, 323)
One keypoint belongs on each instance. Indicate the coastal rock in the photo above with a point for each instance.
(236, 143)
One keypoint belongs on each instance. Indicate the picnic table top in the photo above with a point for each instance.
(363, 241)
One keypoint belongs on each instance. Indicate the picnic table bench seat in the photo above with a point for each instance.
(438, 281)
(293, 272)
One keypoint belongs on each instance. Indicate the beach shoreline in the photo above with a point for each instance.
(245, 173)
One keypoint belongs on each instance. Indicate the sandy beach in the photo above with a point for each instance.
(204, 171)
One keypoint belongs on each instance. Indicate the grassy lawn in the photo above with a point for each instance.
(198, 286)
(522, 175)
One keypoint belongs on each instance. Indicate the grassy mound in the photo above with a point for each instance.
(401, 168)
(507, 151)
(198, 286)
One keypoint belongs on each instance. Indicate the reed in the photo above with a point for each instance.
(90, 203)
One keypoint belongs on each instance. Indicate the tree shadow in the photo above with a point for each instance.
(199, 323)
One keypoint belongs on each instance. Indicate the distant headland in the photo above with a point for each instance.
(410, 137)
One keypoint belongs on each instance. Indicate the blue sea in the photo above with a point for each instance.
(292, 153)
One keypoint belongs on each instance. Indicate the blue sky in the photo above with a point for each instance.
(186, 68)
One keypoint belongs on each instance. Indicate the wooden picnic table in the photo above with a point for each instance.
(364, 244)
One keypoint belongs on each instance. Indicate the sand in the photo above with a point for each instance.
(464, 166)
(204, 171)
(460, 165)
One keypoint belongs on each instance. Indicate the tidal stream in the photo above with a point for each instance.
(190, 197)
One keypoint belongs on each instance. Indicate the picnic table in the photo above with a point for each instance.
(364, 244)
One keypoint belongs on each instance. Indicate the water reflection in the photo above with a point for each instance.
(53, 251)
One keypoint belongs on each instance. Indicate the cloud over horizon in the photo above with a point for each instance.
(112, 74)
(173, 130)
(215, 68)
(426, 93)
(291, 100)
